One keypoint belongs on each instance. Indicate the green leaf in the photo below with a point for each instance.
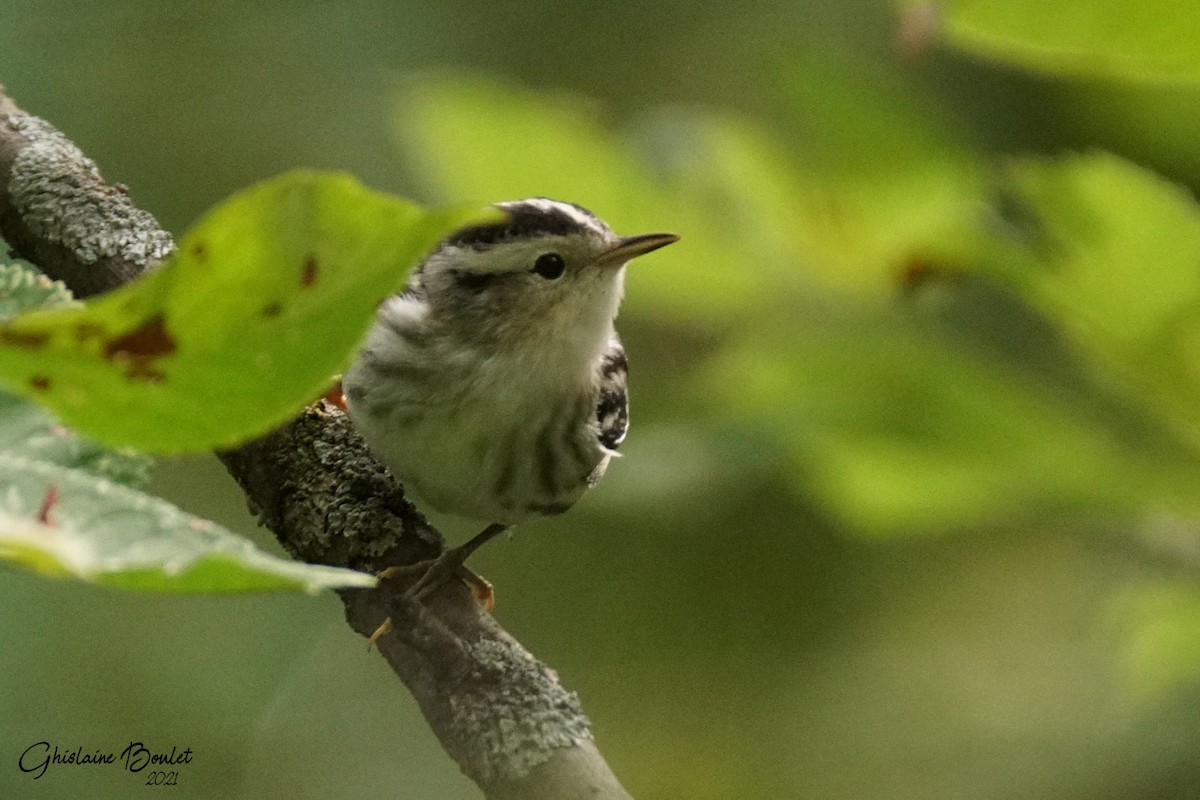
(23, 287)
(105, 533)
(26, 430)
(878, 176)
(1153, 40)
(895, 427)
(1112, 256)
(97, 530)
(1072, 386)
(265, 300)
(1162, 621)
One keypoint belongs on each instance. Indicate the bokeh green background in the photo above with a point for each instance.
(739, 623)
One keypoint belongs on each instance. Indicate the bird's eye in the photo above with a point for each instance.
(550, 265)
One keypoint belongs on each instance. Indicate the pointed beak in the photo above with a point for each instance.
(633, 246)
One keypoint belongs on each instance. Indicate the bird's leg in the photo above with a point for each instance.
(437, 571)
(453, 562)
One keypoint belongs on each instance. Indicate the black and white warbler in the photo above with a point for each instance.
(494, 385)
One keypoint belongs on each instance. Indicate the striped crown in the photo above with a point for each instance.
(530, 219)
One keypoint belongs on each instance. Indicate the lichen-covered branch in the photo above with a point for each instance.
(498, 711)
(58, 213)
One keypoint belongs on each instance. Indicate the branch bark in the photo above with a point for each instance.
(498, 711)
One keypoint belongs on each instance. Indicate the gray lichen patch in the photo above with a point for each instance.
(61, 197)
(513, 712)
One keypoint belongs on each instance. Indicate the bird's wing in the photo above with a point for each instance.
(612, 406)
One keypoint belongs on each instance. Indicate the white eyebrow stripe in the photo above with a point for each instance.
(579, 216)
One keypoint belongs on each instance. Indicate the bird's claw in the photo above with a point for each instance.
(384, 628)
(434, 573)
(481, 587)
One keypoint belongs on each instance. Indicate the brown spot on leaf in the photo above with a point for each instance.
(199, 251)
(140, 348)
(308, 276)
(916, 272)
(48, 502)
(917, 29)
(272, 309)
(149, 340)
(31, 339)
(40, 382)
(145, 373)
(920, 272)
(88, 330)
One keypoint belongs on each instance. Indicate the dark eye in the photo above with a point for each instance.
(549, 265)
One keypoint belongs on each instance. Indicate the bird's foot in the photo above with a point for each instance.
(433, 574)
(450, 564)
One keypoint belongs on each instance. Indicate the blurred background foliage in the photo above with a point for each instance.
(909, 505)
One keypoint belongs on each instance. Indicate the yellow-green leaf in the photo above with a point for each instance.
(1114, 258)
(266, 299)
(1151, 40)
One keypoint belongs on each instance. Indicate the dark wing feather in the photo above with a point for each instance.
(612, 406)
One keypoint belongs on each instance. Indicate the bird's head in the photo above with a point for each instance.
(551, 271)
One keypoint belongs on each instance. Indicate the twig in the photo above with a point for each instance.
(498, 711)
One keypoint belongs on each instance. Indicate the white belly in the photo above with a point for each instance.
(493, 453)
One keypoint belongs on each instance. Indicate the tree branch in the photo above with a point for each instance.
(498, 711)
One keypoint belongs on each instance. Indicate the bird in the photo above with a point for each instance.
(494, 385)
